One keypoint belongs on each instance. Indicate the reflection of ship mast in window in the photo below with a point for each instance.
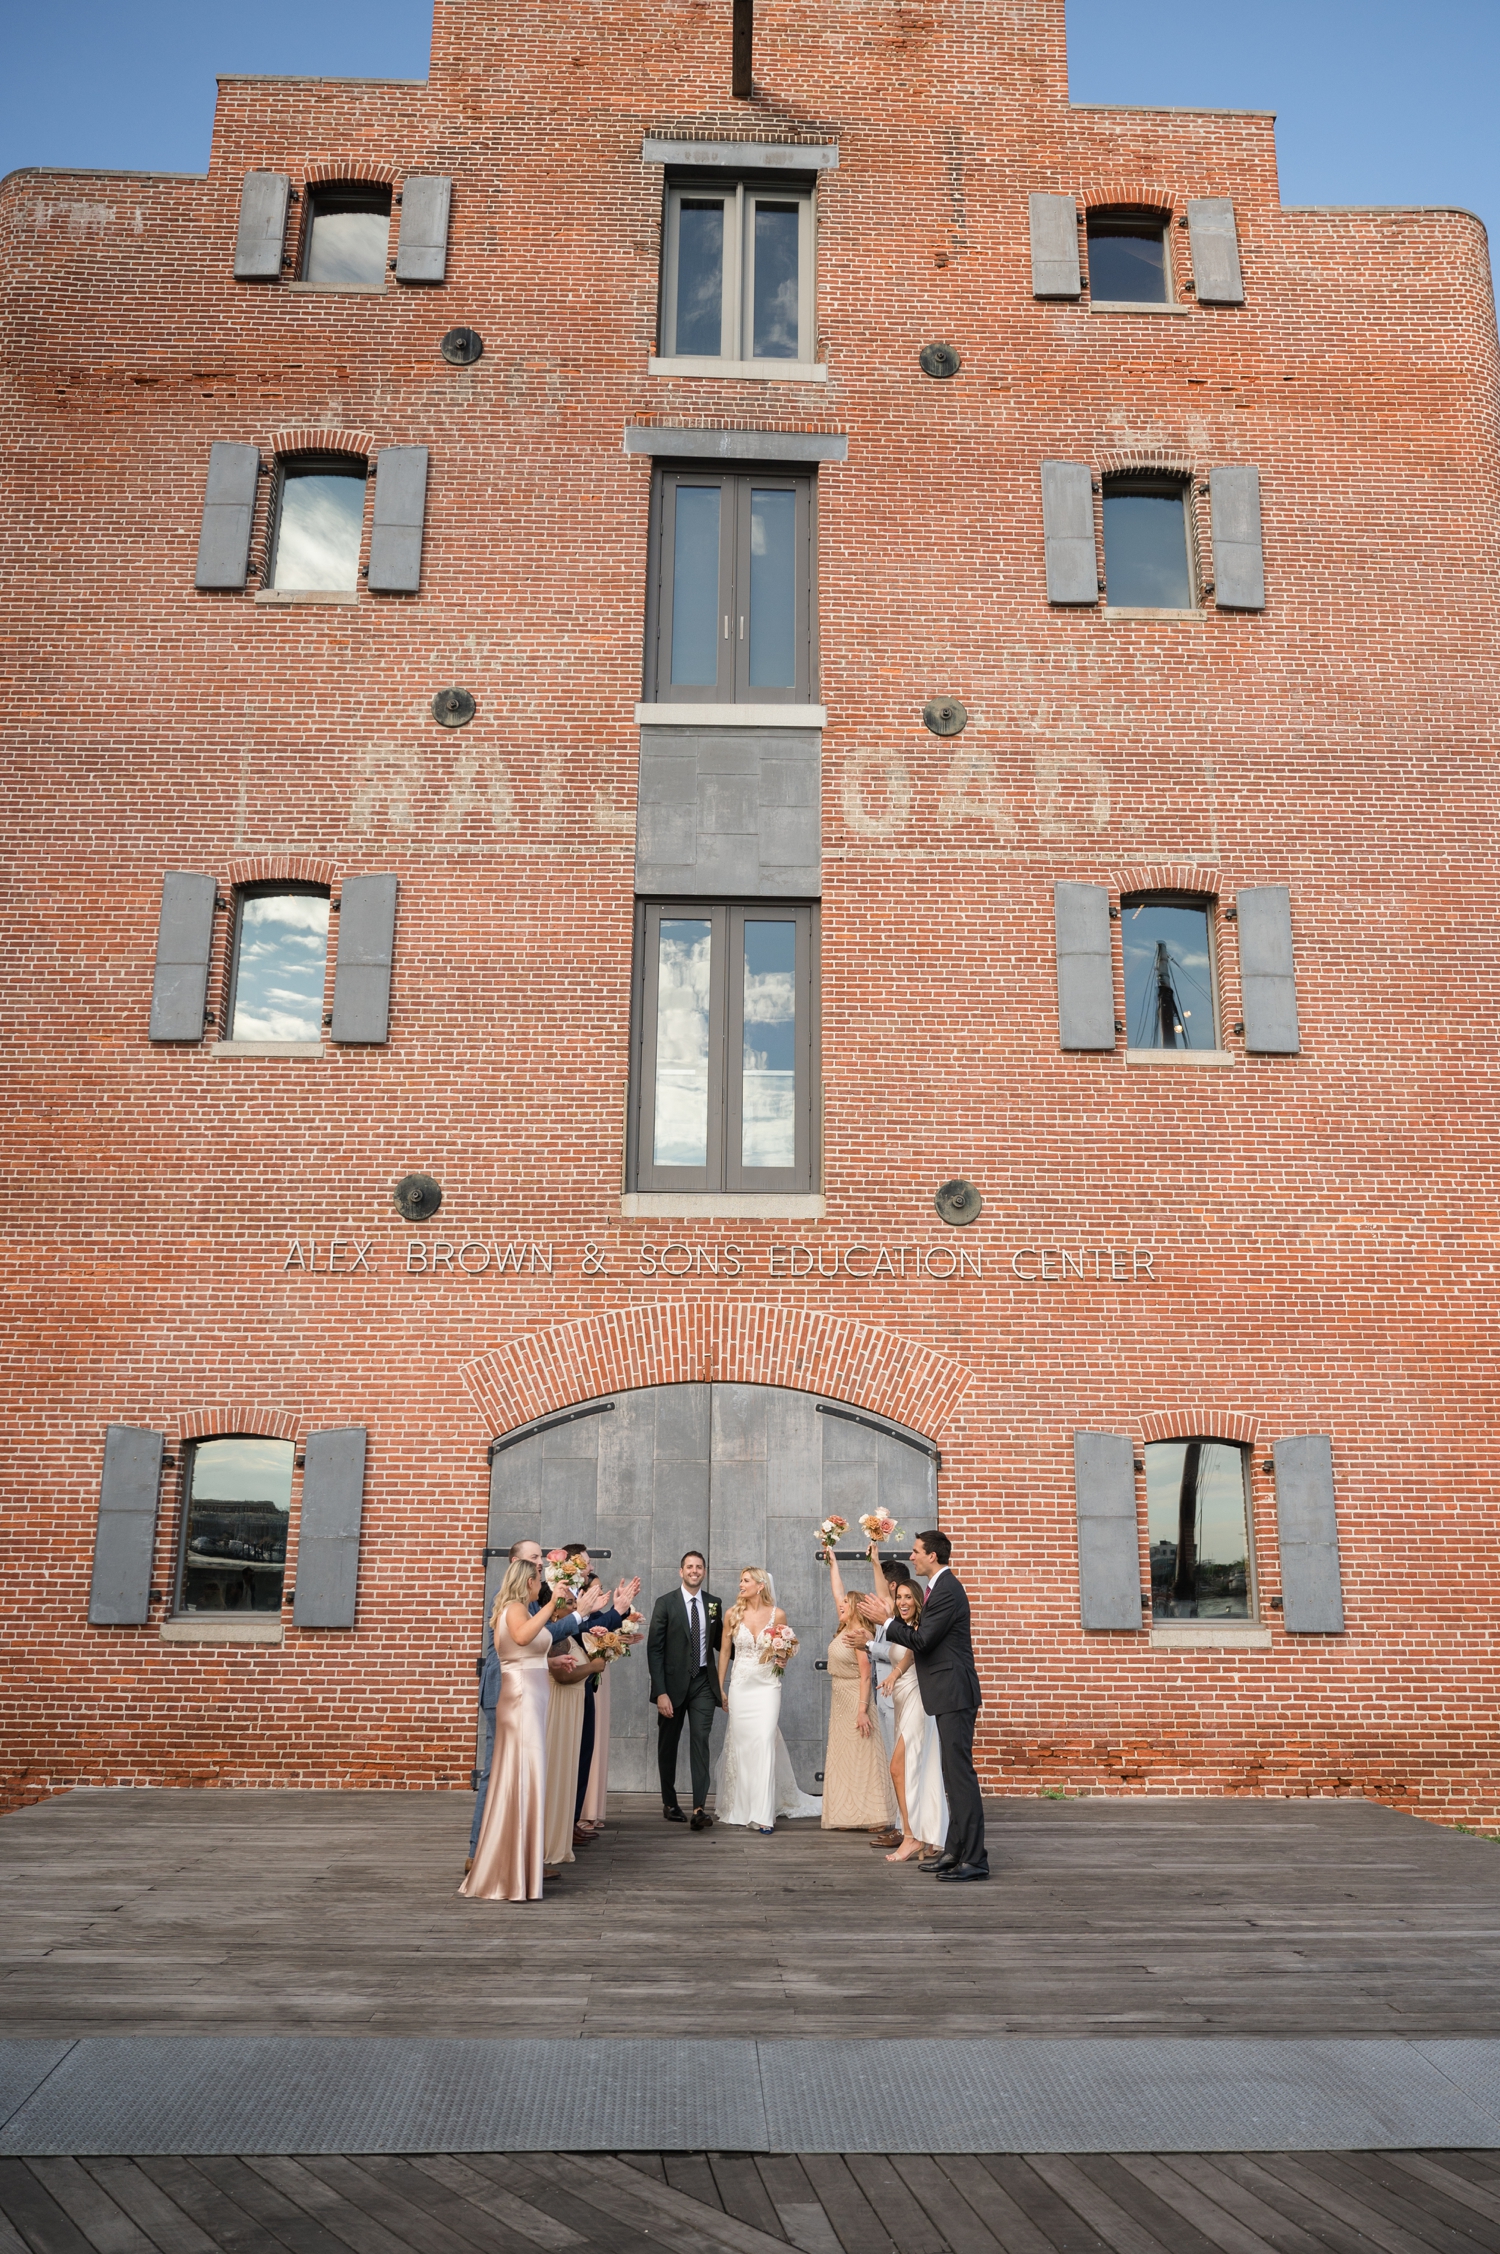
(1168, 985)
(1185, 1581)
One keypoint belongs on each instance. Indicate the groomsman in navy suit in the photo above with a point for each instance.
(949, 1685)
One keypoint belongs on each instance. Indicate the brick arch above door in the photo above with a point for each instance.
(697, 1342)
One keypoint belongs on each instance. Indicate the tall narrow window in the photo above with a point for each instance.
(1198, 1520)
(726, 1048)
(1170, 1000)
(1148, 563)
(737, 278)
(239, 1496)
(1129, 258)
(731, 609)
(277, 974)
(348, 236)
(320, 516)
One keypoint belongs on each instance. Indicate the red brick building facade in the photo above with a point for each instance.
(1273, 1234)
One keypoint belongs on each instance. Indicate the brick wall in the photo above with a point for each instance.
(1321, 1226)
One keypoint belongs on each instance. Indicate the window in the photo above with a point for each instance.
(319, 520)
(239, 1495)
(737, 281)
(348, 236)
(725, 1048)
(730, 620)
(1148, 561)
(1129, 259)
(280, 953)
(1169, 974)
(1198, 1521)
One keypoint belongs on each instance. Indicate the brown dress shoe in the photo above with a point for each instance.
(468, 1864)
(549, 1872)
(885, 1839)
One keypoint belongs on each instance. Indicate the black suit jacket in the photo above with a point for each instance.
(669, 1647)
(946, 1675)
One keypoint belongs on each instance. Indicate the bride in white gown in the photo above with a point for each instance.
(755, 1783)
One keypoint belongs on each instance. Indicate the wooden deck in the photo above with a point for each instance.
(337, 1913)
(723, 2203)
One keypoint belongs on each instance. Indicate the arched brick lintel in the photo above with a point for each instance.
(214, 1424)
(694, 1342)
(1200, 1424)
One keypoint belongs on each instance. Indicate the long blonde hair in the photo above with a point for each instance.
(516, 1588)
(741, 1605)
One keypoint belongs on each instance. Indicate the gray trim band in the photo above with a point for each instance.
(745, 156)
(737, 445)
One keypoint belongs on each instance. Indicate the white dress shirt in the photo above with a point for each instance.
(691, 1597)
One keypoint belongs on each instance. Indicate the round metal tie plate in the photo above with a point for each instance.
(453, 708)
(945, 716)
(417, 1197)
(958, 1203)
(940, 360)
(462, 347)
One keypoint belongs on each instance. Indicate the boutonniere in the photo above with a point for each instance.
(713, 1606)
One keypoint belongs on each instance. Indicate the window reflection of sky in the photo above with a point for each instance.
(279, 967)
(1212, 1581)
(348, 249)
(680, 1107)
(1165, 944)
(699, 322)
(768, 1102)
(317, 539)
(774, 315)
(1146, 552)
(773, 589)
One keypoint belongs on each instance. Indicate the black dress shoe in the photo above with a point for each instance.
(932, 1864)
(674, 1815)
(701, 1820)
(963, 1870)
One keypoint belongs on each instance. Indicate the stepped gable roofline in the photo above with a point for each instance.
(88, 172)
(1171, 109)
(1455, 210)
(304, 78)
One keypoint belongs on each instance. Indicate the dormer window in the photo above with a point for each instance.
(348, 235)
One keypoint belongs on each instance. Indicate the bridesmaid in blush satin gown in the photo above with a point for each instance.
(508, 1858)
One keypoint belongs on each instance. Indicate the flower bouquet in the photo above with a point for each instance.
(633, 1627)
(879, 1526)
(832, 1530)
(774, 1647)
(605, 1643)
(562, 1569)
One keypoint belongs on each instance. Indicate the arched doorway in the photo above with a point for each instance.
(742, 1472)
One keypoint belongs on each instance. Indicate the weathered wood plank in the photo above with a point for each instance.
(1445, 2225)
(1115, 2226)
(1058, 2223)
(1245, 2206)
(147, 2205)
(1220, 2229)
(31, 2210)
(108, 2229)
(690, 2173)
(441, 2207)
(350, 2225)
(742, 2193)
(255, 2197)
(1171, 2229)
(856, 2225)
(902, 2214)
(1468, 2190)
(945, 2206)
(649, 2164)
(1284, 2198)
(225, 2222)
(666, 2217)
(518, 2215)
(1365, 2224)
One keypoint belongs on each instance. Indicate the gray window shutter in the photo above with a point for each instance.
(1311, 1589)
(184, 950)
(1085, 967)
(125, 1538)
(258, 245)
(1216, 251)
(396, 535)
(228, 515)
(1268, 981)
(1109, 1554)
(422, 245)
(362, 975)
(1054, 247)
(1068, 523)
(1239, 566)
(333, 1488)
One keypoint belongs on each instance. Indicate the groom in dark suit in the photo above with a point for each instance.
(949, 1685)
(682, 1649)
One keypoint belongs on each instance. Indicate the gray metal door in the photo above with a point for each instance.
(742, 1472)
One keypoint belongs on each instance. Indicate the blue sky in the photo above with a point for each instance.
(1377, 103)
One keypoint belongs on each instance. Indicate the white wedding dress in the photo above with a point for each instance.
(755, 1781)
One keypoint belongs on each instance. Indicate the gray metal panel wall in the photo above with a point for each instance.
(1268, 970)
(184, 950)
(1312, 1591)
(333, 1487)
(422, 243)
(262, 229)
(228, 515)
(1109, 1564)
(1239, 558)
(125, 1536)
(1216, 251)
(396, 528)
(730, 812)
(362, 975)
(1085, 967)
(1054, 247)
(1068, 529)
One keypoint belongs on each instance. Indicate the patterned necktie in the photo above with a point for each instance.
(698, 1655)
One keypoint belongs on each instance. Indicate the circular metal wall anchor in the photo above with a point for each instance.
(940, 360)
(945, 716)
(462, 347)
(417, 1197)
(453, 708)
(958, 1203)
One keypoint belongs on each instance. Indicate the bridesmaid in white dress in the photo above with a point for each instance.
(755, 1783)
(916, 1765)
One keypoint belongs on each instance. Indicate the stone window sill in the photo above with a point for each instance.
(1126, 610)
(727, 1205)
(288, 595)
(1130, 305)
(221, 1628)
(1210, 1635)
(1179, 1056)
(338, 289)
(266, 1049)
(739, 371)
(731, 715)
